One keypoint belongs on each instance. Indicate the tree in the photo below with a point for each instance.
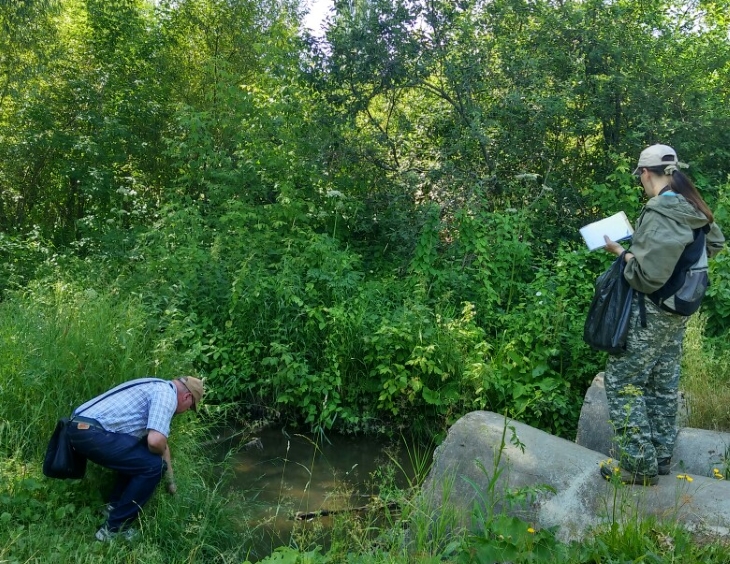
(85, 134)
(26, 47)
(472, 93)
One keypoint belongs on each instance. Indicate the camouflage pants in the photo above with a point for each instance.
(642, 387)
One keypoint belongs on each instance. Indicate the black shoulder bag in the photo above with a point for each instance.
(607, 324)
(61, 460)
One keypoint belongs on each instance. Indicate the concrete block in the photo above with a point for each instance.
(568, 491)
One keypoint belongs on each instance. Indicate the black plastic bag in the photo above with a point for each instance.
(61, 460)
(607, 324)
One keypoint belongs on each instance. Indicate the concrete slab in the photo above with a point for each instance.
(486, 458)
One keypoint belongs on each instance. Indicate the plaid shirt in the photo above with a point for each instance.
(147, 406)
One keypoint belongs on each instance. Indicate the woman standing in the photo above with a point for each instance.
(642, 384)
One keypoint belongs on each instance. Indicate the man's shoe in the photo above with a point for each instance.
(611, 471)
(105, 535)
(664, 466)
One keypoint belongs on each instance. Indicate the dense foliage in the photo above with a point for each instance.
(374, 230)
(370, 230)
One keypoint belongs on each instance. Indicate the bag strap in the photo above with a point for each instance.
(113, 392)
(642, 309)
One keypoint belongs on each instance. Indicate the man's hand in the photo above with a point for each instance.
(167, 457)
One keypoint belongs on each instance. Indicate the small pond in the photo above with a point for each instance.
(292, 479)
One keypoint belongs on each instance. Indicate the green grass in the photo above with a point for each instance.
(59, 346)
(705, 378)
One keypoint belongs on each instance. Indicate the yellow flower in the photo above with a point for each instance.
(531, 530)
(685, 477)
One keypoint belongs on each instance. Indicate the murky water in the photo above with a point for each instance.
(292, 479)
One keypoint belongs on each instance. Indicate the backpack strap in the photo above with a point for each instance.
(689, 256)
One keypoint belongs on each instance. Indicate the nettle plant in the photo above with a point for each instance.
(419, 358)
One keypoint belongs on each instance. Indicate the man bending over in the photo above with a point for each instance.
(126, 429)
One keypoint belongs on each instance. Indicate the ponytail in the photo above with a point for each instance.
(681, 184)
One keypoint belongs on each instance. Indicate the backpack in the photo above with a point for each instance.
(683, 292)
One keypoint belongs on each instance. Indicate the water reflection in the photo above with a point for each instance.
(294, 474)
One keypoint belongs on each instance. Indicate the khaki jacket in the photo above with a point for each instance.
(662, 232)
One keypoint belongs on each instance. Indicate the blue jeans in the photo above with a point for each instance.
(139, 470)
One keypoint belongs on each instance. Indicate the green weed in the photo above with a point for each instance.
(705, 377)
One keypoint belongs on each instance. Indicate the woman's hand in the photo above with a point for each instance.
(613, 246)
(616, 249)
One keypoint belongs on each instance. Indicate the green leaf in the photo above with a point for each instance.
(431, 397)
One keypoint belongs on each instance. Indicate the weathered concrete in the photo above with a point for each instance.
(697, 451)
(580, 499)
(594, 428)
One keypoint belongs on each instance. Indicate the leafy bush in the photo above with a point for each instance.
(291, 321)
(717, 302)
(20, 258)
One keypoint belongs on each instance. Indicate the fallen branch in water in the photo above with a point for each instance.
(309, 516)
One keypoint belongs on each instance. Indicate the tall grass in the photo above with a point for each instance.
(705, 378)
(60, 345)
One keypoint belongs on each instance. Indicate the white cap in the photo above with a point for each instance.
(658, 155)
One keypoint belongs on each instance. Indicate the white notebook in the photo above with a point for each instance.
(617, 227)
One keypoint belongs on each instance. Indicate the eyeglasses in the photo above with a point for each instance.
(192, 396)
